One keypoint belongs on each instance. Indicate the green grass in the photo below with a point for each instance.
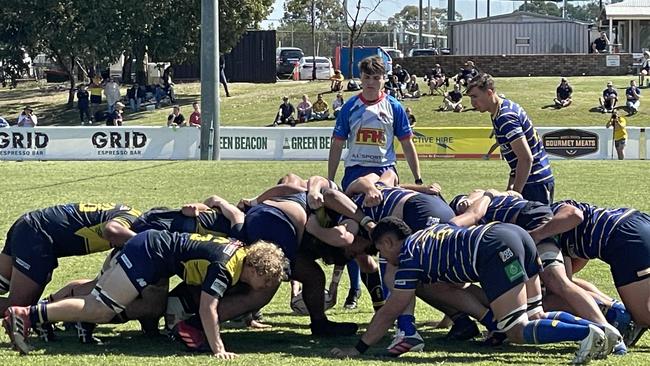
(256, 104)
(31, 185)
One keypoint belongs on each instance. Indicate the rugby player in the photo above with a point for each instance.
(38, 238)
(502, 258)
(214, 263)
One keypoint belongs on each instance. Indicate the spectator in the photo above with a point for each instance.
(453, 100)
(176, 118)
(412, 88)
(338, 104)
(645, 67)
(563, 94)
(27, 118)
(600, 44)
(195, 117)
(436, 79)
(633, 94)
(95, 89)
(83, 104)
(337, 81)
(392, 87)
(112, 92)
(159, 94)
(411, 117)
(304, 109)
(285, 113)
(609, 99)
(222, 75)
(320, 109)
(115, 118)
(168, 84)
(3, 123)
(135, 95)
(467, 73)
(402, 77)
(620, 134)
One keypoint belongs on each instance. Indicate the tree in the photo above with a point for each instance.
(326, 12)
(356, 25)
(541, 7)
(408, 18)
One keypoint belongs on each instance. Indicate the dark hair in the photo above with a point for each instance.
(454, 202)
(390, 224)
(373, 65)
(482, 81)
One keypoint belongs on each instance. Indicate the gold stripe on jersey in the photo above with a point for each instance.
(195, 271)
(236, 265)
(94, 207)
(93, 240)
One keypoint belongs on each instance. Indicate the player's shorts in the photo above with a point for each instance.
(539, 192)
(31, 250)
(269, 223)
(357, 171)
(424, 210)
(314, 249)
(619, 143)
(140, 267)
(628, 250)
(506, 257)
(533, 215)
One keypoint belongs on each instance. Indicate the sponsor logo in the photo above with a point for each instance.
(119, 143)
(23, 143)
(505, 255)
(400, 282)
(570, 143)
(126, 261)
(444, 142)
(141, 282)
(514, 132)
(23, 264)
(371, 136)
(218, 286)
(432, 221)
(307, 143)
(514, 271)
(244, 142)
(230, 249)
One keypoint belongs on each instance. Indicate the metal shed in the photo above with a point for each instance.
(518, 33)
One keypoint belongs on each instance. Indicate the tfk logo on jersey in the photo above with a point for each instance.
(505, 255)
(371, 136)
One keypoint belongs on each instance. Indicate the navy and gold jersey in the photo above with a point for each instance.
(207, 222)
(589, 239)
(76, 228)
(503, 209)
(391, 196)
(512, 123)
(440, 253)
(215, 263)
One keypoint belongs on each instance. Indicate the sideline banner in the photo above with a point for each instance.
(451, 143)
(99, 143)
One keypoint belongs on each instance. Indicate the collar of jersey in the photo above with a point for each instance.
(382, 95)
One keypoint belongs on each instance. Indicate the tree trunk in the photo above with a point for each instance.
(140, 71)
(126, 69)
(69, 70)
(351, 51)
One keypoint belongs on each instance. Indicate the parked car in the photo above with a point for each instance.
(285, 59)
(394, 52)
(324, 68)
(420, 52)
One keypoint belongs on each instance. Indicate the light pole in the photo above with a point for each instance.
(210, 80)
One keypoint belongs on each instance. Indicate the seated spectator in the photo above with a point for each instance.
(391, 87)
(633, 94)
(83, 104)
(620, 133)
(195, 117)
(411, 116)
(159, 94)
(412, 88)
(27, 118)
(563, 94)
(304, 109)
(453, 100)
(320, 109)
(435, 79)
(285, 113)
(402, 77)
(600, 44)
(115, 118)
(337, 104)
(136, 95)
(3, 123)
(337, 81)
(176, 118)
(467, 73)
(645, 67)
(609, 99)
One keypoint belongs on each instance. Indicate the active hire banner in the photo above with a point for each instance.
(99, 143)
(452, 142)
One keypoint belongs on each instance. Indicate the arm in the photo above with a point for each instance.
(411, 157)
(566, 218)
(338, 236)
(210, 321)
(433, 188)
(474, 212)
(366, 186)
(193, 209)
(116, 233)
(524, 163)
(340, 203)
(336, 149)
(275, 191)
(231, 212)
(315, 185)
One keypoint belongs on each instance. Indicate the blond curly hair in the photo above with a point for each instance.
(267, 260)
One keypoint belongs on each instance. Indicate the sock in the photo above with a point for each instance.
(354, 272)
(382, 269)
(488, 321)
(612, 313)
(552, 331)
(406, 323)
(565, 317)
(38, 314)
(373, 284)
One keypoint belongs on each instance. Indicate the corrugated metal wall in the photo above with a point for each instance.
(499, 38)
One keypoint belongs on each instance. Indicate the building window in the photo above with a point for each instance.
(522, 41)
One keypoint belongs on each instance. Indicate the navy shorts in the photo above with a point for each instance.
(424, 210)
(140, 267)
(31, 250)
(628, 250)
(534, 215)
(539, 192)
(357, 171)
(506, 257)
(619, 143)
(265, 222)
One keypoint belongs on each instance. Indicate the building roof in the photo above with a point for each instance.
(629, 9)
(520, 17)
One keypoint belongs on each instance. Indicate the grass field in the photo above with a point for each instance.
(31, 185)
(257, 104)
